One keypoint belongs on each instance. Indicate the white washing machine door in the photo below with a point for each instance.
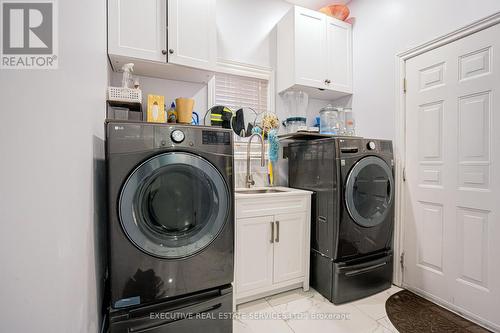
(369, 191)
(174, 205)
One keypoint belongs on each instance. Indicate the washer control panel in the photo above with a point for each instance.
(216, 137)
(371, 145)
(177, 136)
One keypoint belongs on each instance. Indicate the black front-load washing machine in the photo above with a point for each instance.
(171, 232)
(352, 216)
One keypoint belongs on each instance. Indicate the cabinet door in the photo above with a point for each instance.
(137, 28)
(339, 44)
(192, 33)
(310, 48)
(289, 246)
(254, 253)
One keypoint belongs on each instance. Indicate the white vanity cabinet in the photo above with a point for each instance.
(159, 35)
(271, 243)
(314, 54)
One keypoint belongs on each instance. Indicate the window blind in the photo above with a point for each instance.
(236, 92)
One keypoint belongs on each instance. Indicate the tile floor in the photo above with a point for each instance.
(297, 311)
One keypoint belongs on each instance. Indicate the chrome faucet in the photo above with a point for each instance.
(249, 179)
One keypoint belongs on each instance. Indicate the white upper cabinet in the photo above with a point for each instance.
(339, 45)
(157, 34)
(314, 54)
(310, 46)
(137, 29)
(192, 33)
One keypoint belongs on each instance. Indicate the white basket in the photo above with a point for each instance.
(120, 94)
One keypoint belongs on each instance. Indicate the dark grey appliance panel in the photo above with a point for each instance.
(312, 166)
(208, 311)
(129, 137)
(140, 277)
(361, 278)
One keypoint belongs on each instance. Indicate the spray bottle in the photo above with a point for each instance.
(127, 74)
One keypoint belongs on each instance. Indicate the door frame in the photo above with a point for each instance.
(400, 123)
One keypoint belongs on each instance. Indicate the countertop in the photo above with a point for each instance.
(286, 192)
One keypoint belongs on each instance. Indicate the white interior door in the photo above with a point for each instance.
(452, 209)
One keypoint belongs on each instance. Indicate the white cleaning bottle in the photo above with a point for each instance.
(127, 74)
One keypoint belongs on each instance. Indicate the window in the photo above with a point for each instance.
(236, 92)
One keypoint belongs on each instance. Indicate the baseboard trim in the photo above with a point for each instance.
(455, 309)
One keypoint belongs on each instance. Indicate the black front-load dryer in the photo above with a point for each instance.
(366, 198)
(170, 197)
(352, 217)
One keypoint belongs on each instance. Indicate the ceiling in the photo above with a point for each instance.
(315, 4)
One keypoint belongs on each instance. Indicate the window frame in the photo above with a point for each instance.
(246, 71)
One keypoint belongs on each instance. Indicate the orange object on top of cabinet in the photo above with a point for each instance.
(338, 11)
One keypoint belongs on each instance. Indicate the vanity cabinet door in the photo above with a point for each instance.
(289, 246)
(254, 253)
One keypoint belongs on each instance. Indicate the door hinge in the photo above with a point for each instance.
(402, 259)
(404, 85)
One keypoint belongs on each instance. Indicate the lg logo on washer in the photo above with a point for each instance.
(29, 35)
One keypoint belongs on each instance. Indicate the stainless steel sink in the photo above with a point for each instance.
(259, 191)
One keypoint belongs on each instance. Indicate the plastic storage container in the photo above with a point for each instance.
(295, 124)
(329, 121)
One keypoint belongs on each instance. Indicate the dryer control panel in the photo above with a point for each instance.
(216, 137)
(129, 137)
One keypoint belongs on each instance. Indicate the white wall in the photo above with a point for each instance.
(384, 28)
(51, 141)
(245, 30)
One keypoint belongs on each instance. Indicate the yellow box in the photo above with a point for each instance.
(156, 109)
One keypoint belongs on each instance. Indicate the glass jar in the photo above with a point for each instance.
(329, 122)
(350, 124)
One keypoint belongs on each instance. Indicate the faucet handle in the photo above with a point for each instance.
(250, 181)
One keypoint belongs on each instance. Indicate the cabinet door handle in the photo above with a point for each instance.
(277, 240)
(164, 52)
(171, 51)
(272, 232)
(327, 81)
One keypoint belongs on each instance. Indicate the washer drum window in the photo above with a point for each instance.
(174, 205)
(369, 191)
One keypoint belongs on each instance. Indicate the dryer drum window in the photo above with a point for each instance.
(174, 205)
(369, 191)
